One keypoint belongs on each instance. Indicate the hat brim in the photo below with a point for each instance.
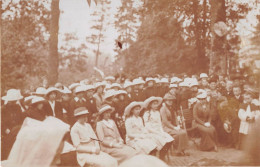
(83, 113)
(132, 105)
(151, 99)
(57, 91)
(8, 98)
(111, 110)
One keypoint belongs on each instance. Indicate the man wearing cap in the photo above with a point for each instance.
(11, 117)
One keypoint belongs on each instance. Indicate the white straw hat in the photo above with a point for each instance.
(132, 105)
(12, 95)
(204, 75)
(80, 111)
(37, 100)
(40, 91)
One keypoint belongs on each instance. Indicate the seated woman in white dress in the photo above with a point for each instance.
(85, 141)
(137, 136)
(152, 121)
(108, 133)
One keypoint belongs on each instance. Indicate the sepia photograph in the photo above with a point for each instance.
(130, 83)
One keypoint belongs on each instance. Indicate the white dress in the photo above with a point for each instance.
(153, 123)
(81, 135)
(137, 136)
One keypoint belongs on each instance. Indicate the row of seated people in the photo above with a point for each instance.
(84, 96)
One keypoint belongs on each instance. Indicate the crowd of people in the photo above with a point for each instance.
(112, 120)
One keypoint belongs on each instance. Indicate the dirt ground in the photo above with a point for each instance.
(224, 157)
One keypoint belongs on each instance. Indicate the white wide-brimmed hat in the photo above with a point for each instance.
(184, 84)
(120, 92)
(51, 89)
(89, 87)
(152, 98)
(37, 100)
(80, 88)
(169, 96)
(164, 80)
(110, 78)
(74, 85)
(106, 108)
(13, 95)
(175, 79)
(109, 93)
(115, 85)
(138, 81)
(131, 106)
(84, 81)
(40, 91)
(80, 111)
(149, 79)
(173, 86)
(65, 90)
(98, 84)
(58, 85)
(28, 99)
(128, 84)
(204, 75)
(194, 82)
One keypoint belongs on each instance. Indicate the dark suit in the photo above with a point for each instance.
(57, 109)
(12, 119)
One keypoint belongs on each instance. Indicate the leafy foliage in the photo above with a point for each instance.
(24, 47)
(177, 36)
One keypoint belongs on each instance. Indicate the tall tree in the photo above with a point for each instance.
(100, 22)
(53, 55)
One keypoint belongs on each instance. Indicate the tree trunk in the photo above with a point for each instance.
(53, 56)
(218, 63)
(201, 63)
(99, 40)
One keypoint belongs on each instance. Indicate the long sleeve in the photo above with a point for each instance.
(165, 120)
(75, 137)
(195, 115)
(148, 124)
(130, 131)
(101, 136)
(117, 132)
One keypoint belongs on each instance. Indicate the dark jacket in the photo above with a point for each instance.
(57, 109)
